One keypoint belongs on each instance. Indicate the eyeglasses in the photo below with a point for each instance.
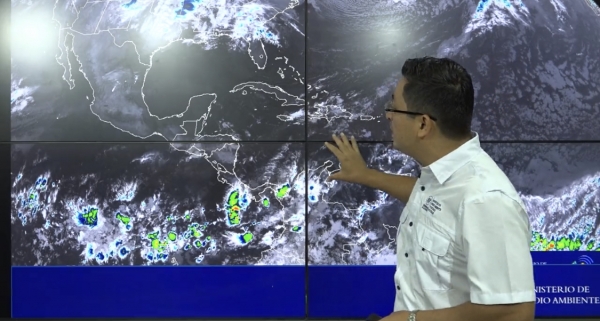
(389, 109)
(409, 113)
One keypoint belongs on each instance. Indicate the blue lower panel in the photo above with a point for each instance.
(350, 291)
(155, 292)
(357, 291)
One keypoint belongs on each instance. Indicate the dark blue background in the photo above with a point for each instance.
(357, 291)
(182, 291)
(252, 291)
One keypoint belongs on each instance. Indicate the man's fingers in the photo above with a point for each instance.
(345, 140)
(343, 143)
(339, 143)
(334, 150)
(354, 144)
(334, 176)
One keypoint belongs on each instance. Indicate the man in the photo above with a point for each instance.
(464, 235)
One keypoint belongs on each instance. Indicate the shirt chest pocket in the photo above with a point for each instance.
(432, 260)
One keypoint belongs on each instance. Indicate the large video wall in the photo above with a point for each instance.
(169, 154)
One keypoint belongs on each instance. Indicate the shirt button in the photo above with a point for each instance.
(406, 254)
(423, 249)
(398, 287)
(422, 188)
(410, 224)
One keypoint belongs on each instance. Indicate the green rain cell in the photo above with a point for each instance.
(540, 243)
(193, 228)
(265, 202)
(283, 191)
(197, 244)
(296, 228)
(233, 198)
(159, 246)
(575, 245)
(246, 237)
(172, 236)
(156, 243)
(208, 238)
(89, 217)
(33, 196)
(123, 218)
(562, 244)
(233, 208)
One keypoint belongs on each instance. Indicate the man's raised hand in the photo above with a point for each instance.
(352, 164)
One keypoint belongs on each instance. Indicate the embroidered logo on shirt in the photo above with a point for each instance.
(431, 205)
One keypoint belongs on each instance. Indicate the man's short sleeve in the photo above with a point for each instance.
(496, 238)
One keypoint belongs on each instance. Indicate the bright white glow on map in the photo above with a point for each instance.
(31, 34)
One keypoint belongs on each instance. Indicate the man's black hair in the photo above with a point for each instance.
(442, 88)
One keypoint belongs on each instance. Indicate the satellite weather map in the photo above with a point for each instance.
(534, 79)
(180, 72)
(532, 62)
(163, 70)
(146, 204)
(559, 185)
(349, 223)
(184, 132)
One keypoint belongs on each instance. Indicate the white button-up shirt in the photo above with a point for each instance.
(464, 235)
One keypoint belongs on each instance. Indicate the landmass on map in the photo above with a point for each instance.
(530, 61)
(558, 183)
(150, 204)
(350, 223)
(148, 70)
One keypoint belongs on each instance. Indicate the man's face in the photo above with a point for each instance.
(402, 125)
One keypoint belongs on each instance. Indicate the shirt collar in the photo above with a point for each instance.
(444, 167)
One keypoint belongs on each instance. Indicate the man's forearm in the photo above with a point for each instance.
(472, 312)
(397, 186)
